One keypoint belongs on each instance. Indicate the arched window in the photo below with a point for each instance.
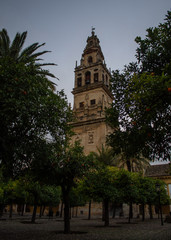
(107, 81)
(92, 102)
(81, 104)
(79, 82)
(96, 76)
(90, 59)
(87, 77)
(103, 78)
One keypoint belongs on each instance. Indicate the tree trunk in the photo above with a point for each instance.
(22, 209)
(65, 192)
(106, 212)
(50, 212)
(77, 211)
(103, 211)
(62, 204)
(89, 210)
(40, 213)
(43, 211)
(1, 209)
(130, 212)
(143, 212)
(74, 211)
(34, 213)
(10, 213)
(70, 212)
(150, 211)
(114, 211)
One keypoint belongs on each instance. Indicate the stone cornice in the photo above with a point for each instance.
(91, 87)
(87, 122)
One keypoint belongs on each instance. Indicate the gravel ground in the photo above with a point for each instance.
(20, 228)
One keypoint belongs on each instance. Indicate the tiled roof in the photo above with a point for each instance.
(158, 170)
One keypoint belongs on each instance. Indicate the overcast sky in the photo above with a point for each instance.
(64, 26)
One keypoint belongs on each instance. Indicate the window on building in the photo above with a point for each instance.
(90, 59)
(79, 82)
(96, 77)
(107, 81)
(81, 105)
(92, 102)
(87, 77)
(103, 78)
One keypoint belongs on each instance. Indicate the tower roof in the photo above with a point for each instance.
(93, 45)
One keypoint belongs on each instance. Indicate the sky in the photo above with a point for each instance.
(64, 26)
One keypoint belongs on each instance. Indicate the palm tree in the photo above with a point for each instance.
(28, 56)
(105, 156)
(133, 164)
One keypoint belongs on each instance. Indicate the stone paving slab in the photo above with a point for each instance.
(83, 229)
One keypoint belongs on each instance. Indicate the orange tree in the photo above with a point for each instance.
(31, 110)
(127, 183)
(100, 184)
(64, 168)
(142, 104)
(148, 194)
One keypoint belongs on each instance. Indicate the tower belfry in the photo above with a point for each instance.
(91, 96)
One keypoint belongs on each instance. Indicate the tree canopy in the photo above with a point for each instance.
(142, 102)
(31, 111)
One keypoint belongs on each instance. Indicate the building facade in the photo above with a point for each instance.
(161, 172)
(91, 96)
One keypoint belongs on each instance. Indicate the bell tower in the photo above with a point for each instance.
(91, 96)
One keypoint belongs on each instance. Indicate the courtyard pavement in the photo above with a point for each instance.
(20, 228)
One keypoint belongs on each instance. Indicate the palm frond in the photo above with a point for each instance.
(46, 64)
(4, 42)
(27, 56)
(35, 55)
(17, 45)
(27, 53)
(105, 155)
(22, 39)
(45, 73)
(138, 163)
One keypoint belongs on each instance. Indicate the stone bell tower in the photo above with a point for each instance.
(91, 97)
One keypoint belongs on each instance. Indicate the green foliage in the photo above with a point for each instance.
(164, 197)
(101, 184)
(142, 97)
(69, 165)
(77, 198)
(104, 156)
(151, 113)
(30, 109)
(28, 56)
(26, 190)
(154, 51)
(122, 186)
(50, 195)
(127, 184)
